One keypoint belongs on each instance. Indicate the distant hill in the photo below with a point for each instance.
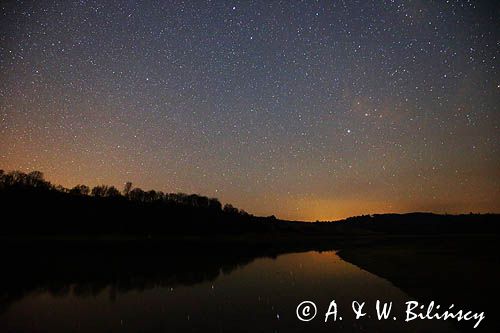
(35, 207)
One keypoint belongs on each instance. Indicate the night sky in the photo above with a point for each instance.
(303, 109)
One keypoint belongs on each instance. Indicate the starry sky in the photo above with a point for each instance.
(309, 110)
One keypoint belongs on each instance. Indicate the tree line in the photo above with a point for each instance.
(40, 207)
(35, 180)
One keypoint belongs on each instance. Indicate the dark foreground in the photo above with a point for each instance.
(460, 270)
(60, 244)
(457, 269)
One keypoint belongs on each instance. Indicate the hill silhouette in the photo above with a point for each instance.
(84, 240)
(35, 207)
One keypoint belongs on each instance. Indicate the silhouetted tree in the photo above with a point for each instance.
(80, 190)
(160, 196)
(229, 209)
(17, 178)
(2, 179)
(105, 191)
(99, 191)
(127, 188)
(60, 188)
(136, 194)
(214, 204)
(112, 192)
(35, 179)
(150, 196)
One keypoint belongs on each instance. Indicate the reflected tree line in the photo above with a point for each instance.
(117, 269)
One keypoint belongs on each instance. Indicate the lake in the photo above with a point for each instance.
(212, 293)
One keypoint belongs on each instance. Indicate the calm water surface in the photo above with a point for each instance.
(261, 296)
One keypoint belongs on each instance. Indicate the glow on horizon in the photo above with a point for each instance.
(307, 111)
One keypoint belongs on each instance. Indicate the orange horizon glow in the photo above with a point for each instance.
(306, 111)
(308, 209)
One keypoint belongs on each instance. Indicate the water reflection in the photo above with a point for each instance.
(203, 292)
